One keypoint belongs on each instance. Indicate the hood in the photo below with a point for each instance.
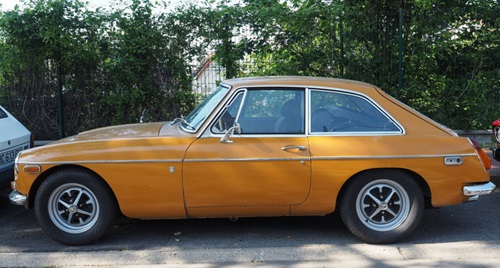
(121, 131)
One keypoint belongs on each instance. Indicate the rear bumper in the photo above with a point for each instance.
(474, 191)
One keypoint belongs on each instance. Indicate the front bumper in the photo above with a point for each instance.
(17, 198)
(474, 191)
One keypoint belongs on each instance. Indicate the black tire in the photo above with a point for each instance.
(75, 207)
(382, 206)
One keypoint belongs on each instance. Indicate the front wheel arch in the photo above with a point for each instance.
(75, 206)
(36, 184)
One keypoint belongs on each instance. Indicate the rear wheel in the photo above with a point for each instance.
(383, 206)
(75, 207)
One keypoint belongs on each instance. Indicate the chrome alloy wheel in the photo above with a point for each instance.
(382, 205)
(73, 208)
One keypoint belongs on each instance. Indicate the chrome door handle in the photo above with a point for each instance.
(293, 147)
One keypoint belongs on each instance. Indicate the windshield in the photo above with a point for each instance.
(198, 115)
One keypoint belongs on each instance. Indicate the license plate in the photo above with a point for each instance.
(9, 156)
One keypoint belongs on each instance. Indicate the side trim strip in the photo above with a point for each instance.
(388, 156)
(247, 159)
(357, 157)
(105, 162)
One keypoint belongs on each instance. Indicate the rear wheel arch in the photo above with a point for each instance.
(382, 205)
(424, 187)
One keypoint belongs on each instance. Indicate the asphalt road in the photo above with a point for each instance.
(461, 236)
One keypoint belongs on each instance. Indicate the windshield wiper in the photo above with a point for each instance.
(182, 120)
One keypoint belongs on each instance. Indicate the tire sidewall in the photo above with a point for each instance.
(349, 207)
(105, 216)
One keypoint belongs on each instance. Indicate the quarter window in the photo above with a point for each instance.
(344, 112)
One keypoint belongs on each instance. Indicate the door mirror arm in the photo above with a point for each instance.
(236, 128)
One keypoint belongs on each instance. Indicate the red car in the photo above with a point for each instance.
(496, 132)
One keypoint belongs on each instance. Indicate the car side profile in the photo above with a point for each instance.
(14, 137)
(261, 146)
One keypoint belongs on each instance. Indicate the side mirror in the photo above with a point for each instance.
(496, 153)
(236, 128)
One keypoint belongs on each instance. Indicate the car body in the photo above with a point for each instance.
(263, 146)
(14, 137)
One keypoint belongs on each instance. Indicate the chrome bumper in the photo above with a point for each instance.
(474, 191)
(17, 199)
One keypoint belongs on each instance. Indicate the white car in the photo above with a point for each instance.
(14, 137)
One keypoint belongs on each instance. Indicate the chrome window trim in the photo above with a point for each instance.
(226, 105)
(212, 118)
(207, 133)
(401, 131)
(209, 117)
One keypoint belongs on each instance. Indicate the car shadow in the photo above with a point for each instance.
(477, 221)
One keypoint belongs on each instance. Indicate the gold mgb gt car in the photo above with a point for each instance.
(275, 146)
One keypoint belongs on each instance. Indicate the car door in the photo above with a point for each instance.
(265, 162)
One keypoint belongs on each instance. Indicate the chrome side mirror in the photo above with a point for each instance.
(236, 128)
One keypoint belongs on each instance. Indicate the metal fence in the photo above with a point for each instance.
(371, 52)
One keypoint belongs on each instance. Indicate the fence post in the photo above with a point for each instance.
(400, 56)
(60, 100)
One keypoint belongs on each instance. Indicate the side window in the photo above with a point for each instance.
(226, 121)
(343, 112)
(265, 111)
(273, 111)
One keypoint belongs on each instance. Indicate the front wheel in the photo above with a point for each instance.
(383, 206)
(75, 207)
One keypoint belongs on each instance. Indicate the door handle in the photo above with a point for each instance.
(293, 148)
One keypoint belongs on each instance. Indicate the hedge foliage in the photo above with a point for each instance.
(112, 64)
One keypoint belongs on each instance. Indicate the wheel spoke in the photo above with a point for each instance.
(63, 203)
(389, 210)
(374, 214)
(81, 211)
(70, 217)
(77, 199)
(375, 199)
(389, 197)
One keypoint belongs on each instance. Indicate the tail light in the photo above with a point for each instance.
(482, 155)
